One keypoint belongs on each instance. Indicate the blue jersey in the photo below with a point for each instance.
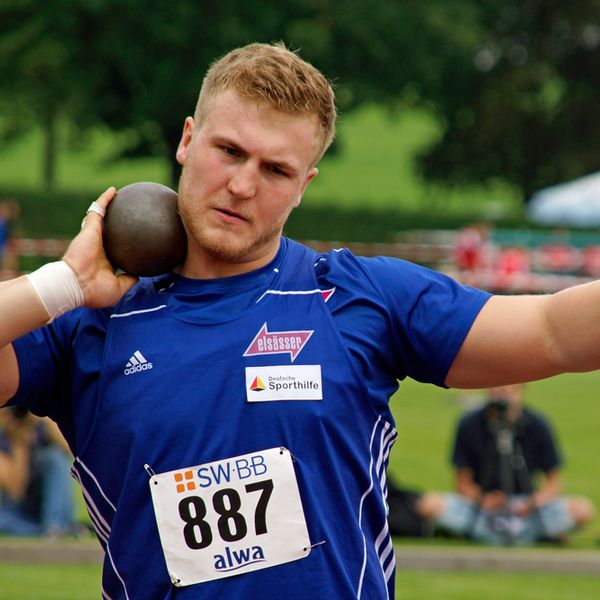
(231, 436)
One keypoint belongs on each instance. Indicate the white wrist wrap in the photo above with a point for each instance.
(58, 288)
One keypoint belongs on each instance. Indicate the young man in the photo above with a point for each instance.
(230, 422)
(500, 449)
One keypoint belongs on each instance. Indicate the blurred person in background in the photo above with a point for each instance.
(473, 249)
(36, 489)
(9, 212)
(500, 450)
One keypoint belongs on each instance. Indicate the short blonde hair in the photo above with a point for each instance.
(276, 77)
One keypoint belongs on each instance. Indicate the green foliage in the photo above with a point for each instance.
(514, 83)
(371, 224)
(367, 193)
(520, 102)
(59, 214)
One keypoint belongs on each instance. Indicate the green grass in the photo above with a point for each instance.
(367, 191)
(377, 167)
(465, 585)
(82, 164)
(82, 582)
(49, 582)
(426, 417)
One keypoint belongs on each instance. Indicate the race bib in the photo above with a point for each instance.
(230, 516)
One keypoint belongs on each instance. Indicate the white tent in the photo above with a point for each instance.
(575, 203)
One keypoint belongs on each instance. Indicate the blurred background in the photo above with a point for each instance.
(450, 111)
(468, 141)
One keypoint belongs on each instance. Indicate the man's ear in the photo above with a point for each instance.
(312, 173)
(185, 141)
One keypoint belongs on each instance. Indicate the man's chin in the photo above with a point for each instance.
(226, 250)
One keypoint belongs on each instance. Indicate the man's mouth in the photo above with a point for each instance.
(230, 215)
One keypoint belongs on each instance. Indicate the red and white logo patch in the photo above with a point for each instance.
(326, 294)
(278, 342)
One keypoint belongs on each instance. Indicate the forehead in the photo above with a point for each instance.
(258, 127)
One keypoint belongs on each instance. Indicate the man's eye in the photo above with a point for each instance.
(277, 171)
(230, 151)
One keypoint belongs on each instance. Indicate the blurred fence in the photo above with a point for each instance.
(501, 263)
(18, 249)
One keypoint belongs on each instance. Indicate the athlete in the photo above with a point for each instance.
(230, 421)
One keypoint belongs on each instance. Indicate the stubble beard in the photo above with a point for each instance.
(222, 242)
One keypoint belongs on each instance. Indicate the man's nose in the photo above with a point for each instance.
(243, 182)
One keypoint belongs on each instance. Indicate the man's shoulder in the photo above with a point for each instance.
(342, 264)
(141, 295)
(534, 420)
(473, 417)
(144, 294)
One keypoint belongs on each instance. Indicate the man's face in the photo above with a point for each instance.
(512, 395)
(244, 169)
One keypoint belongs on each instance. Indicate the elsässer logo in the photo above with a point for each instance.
(278, 342)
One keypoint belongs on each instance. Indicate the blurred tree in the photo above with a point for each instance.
(523, 103)
(137, 65)
(39, 81)
(150, 57)
(514, 82)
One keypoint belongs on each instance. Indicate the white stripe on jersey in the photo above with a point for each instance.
(289, 293)
(387, 438)
(137, 312)
(77, 459)
(112, 562)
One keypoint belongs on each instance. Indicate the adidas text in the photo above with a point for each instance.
(137, 362)
(137, 368)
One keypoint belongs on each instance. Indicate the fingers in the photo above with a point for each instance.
(105, 198)
(96, 208)
(95, 213)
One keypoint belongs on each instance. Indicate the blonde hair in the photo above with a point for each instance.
(274, 77)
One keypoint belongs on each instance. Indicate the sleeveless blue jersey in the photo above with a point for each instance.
(302, 354)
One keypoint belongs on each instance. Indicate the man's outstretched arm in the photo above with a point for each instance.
(525, 338)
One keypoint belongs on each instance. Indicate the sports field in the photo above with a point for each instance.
(425, 418)
(19, 582)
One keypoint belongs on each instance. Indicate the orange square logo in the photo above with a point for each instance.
(185, 481)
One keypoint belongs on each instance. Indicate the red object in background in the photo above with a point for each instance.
(591, 261)
(513, 260)
(559, 258)
(472, 249)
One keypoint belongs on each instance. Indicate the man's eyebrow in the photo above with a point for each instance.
(226, 141)
(279, 164)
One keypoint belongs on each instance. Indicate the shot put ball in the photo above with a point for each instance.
(143, 234)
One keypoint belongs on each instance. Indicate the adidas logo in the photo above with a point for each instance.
(137, 363)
